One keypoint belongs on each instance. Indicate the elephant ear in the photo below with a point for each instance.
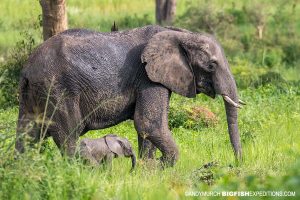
(114, 144)
(167, 62)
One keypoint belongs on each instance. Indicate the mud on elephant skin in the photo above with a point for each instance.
(96, 80)
(103, 150)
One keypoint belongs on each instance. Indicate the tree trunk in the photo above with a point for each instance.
(54, 17)
(165, 11)
(260, 29)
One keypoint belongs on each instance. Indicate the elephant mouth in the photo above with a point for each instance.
(207, 89)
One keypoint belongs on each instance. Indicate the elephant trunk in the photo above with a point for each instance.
(133, 161)
(232, 104)
(231, 113)
(225, 85)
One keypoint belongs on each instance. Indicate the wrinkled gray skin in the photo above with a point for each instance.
(101, 79)
(103, 150)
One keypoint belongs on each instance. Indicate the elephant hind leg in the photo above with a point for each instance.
(20, 135)
(26, 126)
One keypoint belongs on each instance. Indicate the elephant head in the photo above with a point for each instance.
(120, 147)
(191, 63)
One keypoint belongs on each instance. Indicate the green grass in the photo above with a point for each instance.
(269, 124)
(269, 128)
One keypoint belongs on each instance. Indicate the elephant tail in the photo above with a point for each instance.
(133, 161)
(23, 96)
(23, 88)
(26, 98)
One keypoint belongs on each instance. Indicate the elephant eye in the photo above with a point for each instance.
(212, 66)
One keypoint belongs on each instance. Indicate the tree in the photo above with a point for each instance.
(165, 11)
(54, 17)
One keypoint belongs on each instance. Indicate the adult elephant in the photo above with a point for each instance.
(82, 80)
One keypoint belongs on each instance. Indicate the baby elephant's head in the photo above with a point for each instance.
(120, 147)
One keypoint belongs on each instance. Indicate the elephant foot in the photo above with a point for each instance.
(169, 159)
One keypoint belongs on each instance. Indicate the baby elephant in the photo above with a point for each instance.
(103, 150)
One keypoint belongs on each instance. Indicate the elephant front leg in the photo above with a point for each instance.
(146, 148)
(151, 121)
(107, 161)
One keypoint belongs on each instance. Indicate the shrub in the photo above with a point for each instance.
(245, 74)
(273, 78)
(202, 116)
(273, 57)
(192, 117)
(10, 70)
(232, 47)
(265, 37)
(291, 51)
(177, 117)
(246, 41)
(240, 16)
(206, 18)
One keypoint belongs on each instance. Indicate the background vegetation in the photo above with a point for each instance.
(261, 40)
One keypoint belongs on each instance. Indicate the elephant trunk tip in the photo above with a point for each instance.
(238, 154)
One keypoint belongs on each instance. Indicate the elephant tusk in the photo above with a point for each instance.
(242, 102)
(231, 102)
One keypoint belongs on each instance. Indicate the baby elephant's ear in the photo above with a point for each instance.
(167, 62)
(114, 145)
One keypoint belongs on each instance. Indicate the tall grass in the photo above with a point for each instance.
(270, 137)
(269, 124)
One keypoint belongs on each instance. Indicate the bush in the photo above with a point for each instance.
(246, 40)
(291, 51)
(192, 117)
(273, 57)
(201, 116)
(177, 117)
(272, 78)
(10, 70)
(232, 47)
(206, 18)
(288, 182)
(245, 74)
(266, 38)
(240, 16)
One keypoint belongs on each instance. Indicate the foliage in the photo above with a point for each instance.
(265, 37)
(192, 117)
(267, 74)
(10, 71)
